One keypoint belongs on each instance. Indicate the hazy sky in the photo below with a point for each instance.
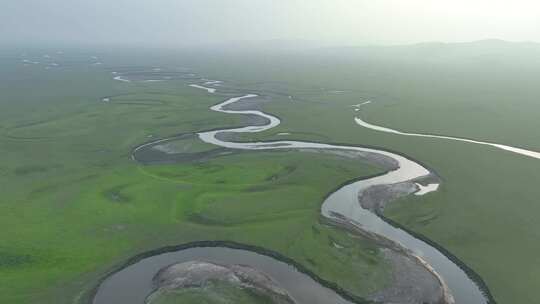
(336, 22)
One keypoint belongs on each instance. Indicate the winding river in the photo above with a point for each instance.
(133, 283)
(341, 206)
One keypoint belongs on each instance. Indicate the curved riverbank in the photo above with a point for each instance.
(347, 297)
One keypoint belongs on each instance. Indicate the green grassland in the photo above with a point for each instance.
(74, 204)
(486, 210)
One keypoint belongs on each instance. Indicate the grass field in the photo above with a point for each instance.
(74, 204)
(485, 212)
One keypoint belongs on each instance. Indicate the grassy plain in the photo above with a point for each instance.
(486, 211)
(73, 204)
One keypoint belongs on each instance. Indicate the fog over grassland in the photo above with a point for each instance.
(173, 23)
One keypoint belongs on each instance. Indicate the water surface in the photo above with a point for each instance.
(133, 284)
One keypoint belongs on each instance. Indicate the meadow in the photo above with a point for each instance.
(485, 211)
(74, 205)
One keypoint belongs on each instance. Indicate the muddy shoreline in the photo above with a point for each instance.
(473, 275)
(400, 276)
(200, 274)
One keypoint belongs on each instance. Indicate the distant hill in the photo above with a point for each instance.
(482, 50)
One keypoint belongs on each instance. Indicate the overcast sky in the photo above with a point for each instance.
(334, 22)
